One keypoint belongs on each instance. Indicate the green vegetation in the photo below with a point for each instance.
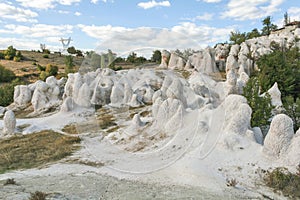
(49, 70)
(6, 75)
(237, 37)
(7, 92)
(69, 65)
(280, 179)
(156, 56)
(11, 54)
(33, 150)
(261, 106)
(281, 66)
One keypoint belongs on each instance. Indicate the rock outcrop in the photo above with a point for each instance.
(9, 120)
(279, 136)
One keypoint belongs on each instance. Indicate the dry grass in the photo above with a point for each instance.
(33, 150)
(281, 180)
(38, 196)
(231, 182)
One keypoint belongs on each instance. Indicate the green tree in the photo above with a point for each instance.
(292, 109)
(156, 56)
(261, 105)
(237, 37)
(268, 26)
(282, 67)
(253, 34)
(10, 53)
(71, 50)
(131, 58)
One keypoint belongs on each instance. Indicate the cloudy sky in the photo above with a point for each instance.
(125, 25)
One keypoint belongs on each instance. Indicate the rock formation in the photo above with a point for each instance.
(279, 136)
(9, 123)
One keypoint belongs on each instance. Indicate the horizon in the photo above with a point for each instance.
(136, 25)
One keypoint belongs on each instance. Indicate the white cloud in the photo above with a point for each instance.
(63, 12)
(37, 30)
(17, 14)
(94, 1)
(294, 13)
(153, 3)
(251, 9)
(77, 14)
(45, 4)
(186, 35)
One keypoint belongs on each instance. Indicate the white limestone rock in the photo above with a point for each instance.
(2, 111)
(117, 95)
(176, 62)
(293, 152)
(279, 136)
(84, 96)
(165, 57)
(68, 105)
(9, 123)
(136, 121)
(275, 94)
(22, 95)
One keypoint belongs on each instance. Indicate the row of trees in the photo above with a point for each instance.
(237, 37)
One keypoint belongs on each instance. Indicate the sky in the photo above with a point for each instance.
(132, 25)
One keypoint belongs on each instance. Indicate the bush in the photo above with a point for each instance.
(69, 65)
(17, 59)
(7, 92)
(6, 75)
(46, 56)
(49, 70)
(10, 53)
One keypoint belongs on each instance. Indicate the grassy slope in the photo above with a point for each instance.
(27, 68)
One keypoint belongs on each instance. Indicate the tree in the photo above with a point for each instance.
(283, 67)
(292, 109)
(237, 37)
(268, 26)
(131, 57)
(71, 50)
(156, 56)
(261, 105)
(10, 53)
(253, 34)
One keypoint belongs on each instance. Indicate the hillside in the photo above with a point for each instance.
(28, 66)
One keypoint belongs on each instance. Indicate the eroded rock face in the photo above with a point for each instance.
(165, 57)
(9, 123)
(22, 95)
(176, 62)
(275, 94)
(279, 136)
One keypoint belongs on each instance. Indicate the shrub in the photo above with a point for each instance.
(51, 70)
(10, 53)
(6, 75)
(17, 59)
(7, 92)
(45, 56)
(69, 65)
